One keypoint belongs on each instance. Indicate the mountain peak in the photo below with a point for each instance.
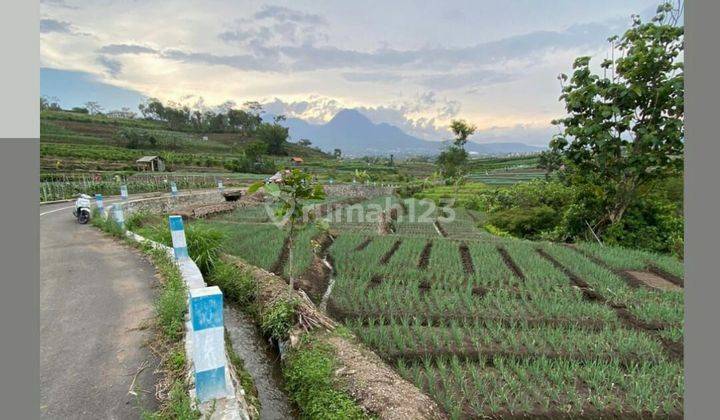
(349, 116)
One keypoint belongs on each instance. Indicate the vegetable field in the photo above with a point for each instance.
(489, 326)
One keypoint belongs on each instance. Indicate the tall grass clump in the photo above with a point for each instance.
(309, 378)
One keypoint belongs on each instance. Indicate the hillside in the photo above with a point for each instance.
(353, 133)
(74, 141)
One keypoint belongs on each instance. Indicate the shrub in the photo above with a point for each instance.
(237, 285)
(308, 375)
(277, 320)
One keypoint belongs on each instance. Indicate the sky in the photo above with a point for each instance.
(414, 64)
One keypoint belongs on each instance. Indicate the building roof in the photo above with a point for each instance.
(296, 159)
(147, 159)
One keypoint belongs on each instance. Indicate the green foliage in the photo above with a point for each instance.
(171, 304)
(462, 130)
(237, 285)
(309, 377)
(277, 320)
(203, 244)
(625, 129)
(452, 161)
(275, 136)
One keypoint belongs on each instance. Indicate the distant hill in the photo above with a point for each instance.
(354, 134)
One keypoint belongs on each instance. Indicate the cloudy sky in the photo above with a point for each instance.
(414, 64)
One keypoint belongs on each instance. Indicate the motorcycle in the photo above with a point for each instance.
(82, 209)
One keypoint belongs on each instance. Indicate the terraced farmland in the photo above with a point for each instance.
(488, 326)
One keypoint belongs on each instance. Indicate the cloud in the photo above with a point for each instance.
(52, 25)
(283, 14)
(449, 80)
(371, 77)
(117, 49)
(111, 65)
(58, 3)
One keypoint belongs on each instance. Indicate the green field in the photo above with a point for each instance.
(492, 326)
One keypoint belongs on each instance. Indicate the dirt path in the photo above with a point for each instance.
(95, 297)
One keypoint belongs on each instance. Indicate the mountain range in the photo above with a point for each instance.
(355, 135)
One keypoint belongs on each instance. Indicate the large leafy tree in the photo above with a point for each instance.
(624, 129)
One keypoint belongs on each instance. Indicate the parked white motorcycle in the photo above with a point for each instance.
(82, 209)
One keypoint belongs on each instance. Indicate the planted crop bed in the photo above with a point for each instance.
(487, 326)
(496, 328)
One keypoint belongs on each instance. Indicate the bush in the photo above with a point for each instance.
(308, 375)
(278, 319)
(528, 223)
(237, 285)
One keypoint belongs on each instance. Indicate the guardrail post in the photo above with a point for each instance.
(119, 216)
(177, 229)
(99, 202)
(208, 342)
(123, 192)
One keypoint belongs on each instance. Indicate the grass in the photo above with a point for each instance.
(309, 377)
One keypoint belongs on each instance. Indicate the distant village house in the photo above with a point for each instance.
(296, 161)
(150, 164)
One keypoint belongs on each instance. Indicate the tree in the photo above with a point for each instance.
(550, 160)
(462, 130)
(93, 107)
(275, 136)
(255, 149)
(337, 153)
(625, 129)
(295, 188)
(304, 142)
(392, 160)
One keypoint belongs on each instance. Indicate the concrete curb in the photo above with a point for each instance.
(233, 406)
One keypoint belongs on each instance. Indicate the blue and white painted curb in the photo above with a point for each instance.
(173, 189)
(206, 315)
(118, 215)
(123, 192)
(99, 202)
(215, 383)
(220, 185)
(177, 230)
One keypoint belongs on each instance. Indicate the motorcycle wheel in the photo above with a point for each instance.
(83, 218)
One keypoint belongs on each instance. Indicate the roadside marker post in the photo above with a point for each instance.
(208, 342)
(220, 185)
(173, 189)
(119, 216)
(123, 192)
(99, 202)
(177, 230)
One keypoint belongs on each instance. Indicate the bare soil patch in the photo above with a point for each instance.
(510, 263)
(279, 265)
(678, 281)
(364, 244)
(385, 258)
(425, 255)
(466, 259)
(652, 280)
(375, 281)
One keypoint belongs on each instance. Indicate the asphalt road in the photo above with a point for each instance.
(96, 295)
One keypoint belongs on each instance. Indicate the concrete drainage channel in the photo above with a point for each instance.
(261, 362)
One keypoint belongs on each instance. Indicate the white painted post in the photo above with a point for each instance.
(119, 216)
(173, 189)
(220, 185)
(123, 192)
(177, 230)
(208, 342)
(99, 201)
